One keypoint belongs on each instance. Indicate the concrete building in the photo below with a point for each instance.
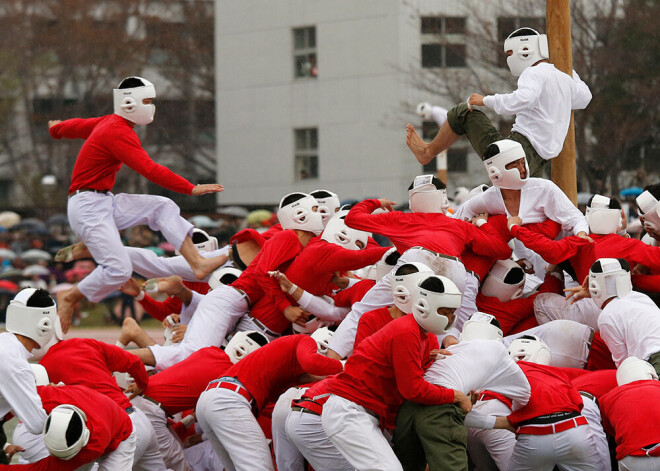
(316, 94)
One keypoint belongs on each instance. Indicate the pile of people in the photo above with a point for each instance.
(513, 334)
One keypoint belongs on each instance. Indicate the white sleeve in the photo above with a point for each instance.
(321, 308)
(20, 391)
(582, 94)
(478, 419)
(471, 208)
(524, 98)
(563, 211)
(614, 341)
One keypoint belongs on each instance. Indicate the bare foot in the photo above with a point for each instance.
(203, 267)
(132, 332)
(171, 286)
(73, 252)
(67, 303)
(131, 288)
(417, 145)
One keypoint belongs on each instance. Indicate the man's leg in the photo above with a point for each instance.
(491, 447)
(121, 459)
(286, 454)
(147, 455)
(132, 332)
(357, 436)
(592, 412)
(426, 151)
(444, 437)
(406, 443)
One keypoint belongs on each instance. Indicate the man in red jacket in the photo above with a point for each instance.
(387, 368)
(96, 215)
(83, 426)
(226, 410)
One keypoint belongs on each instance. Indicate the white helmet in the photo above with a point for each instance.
(505, 281)
(530, 348)
(481, 326)
(223, 276)
(128, 98)
(403, 285)
(40, 374)
(425, 111)
(601, 216)
(498, 155)
(310, 326)
(298, 211)
(323, 337)
(633, 369)
(528, 48)
(57, 336)
(204, 242)
(65, 432)
(648, 240)
(337, 232)
(427, 194)
(32, 313)
(609, 278)
(433, 293)
(328, 203)
(649, 208)
(244, 343)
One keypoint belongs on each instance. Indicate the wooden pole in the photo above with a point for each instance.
(558, 17)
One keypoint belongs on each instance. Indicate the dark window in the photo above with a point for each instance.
(306, 159)
(457, 160)
(443, 41)
(304, 52)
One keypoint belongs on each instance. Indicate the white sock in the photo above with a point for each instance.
(120, 345)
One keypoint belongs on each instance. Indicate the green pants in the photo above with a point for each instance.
(431, 434)
(481, 133)
(655, 361)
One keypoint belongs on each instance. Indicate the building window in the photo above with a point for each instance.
(307, 157)
(508, 24)
(443, 41)
(304, 52)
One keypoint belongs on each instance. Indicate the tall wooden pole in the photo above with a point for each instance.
(558, 17)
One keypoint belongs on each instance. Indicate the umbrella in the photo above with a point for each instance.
(235, 211)
(8, 219)
(11, 273)
(258, 216)
(203, 221)
(57, 219)
(8, 286)
(632, 191)
(29, 223)
(33, 270)
(36, 254)
(7, 254)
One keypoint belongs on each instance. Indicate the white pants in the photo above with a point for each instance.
(287, 456)
(569, 342)
(357, 436)
(34, 446)
(226, 419)
(551, 306)
(147, 454)
(491, 450)
(148, 264)
(571, 450)
(381, 294)
(306, 433)
(169, 445)
(592, 413)
(640, 463)
(97, 219)
(217, 314)
(202, 457)
(121, 459)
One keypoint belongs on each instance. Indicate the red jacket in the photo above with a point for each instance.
(110, 141)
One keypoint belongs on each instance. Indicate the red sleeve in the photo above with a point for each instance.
(637, 251)
(312, 362)
(364, 330)
(51, 463)
(552, 251)
(76, 128)
(121, 360)
(485, 240)
(342, 259)
(407, 353)
(347, 297)
(360, 218)
(161, 309)
(649, 283)
(247, 235)
(573, 373)
(279, 249)
(126, 148)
